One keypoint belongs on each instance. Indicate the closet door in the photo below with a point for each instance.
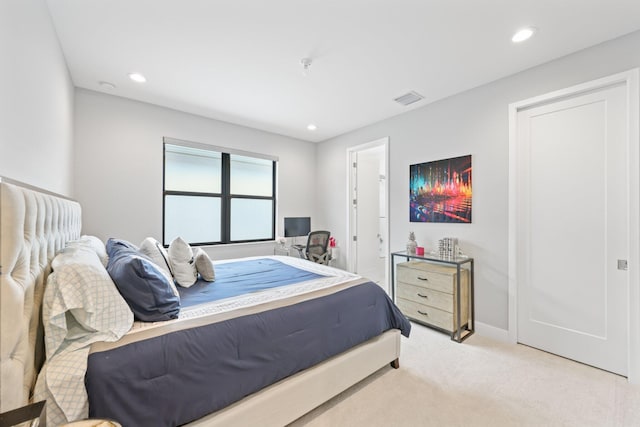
(573, 228)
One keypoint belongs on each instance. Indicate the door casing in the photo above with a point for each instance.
(351, 225)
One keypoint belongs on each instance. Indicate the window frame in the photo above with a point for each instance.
(225, 195)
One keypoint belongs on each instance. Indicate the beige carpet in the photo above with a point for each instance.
(481, 383)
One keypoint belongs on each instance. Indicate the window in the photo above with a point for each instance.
(215, 195)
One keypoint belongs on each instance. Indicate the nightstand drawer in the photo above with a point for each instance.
(427, 275)
(420, 295)
(425, 314)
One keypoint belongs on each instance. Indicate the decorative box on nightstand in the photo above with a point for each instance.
(436, 292)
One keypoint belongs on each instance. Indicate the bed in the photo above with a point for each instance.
(36, 224)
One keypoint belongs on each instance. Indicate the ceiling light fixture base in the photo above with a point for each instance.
(306, 65)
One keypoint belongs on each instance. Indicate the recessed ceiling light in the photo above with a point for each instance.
(137, 77)
(312, 126)
(523, 34)
(107, 85)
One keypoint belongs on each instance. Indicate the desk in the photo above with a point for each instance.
(436, 292)
(279, 249)
(334, 253)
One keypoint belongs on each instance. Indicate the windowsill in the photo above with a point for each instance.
(227, 245)
(236, 245)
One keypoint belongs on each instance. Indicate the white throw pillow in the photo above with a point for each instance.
(182, 263)
(154, 250)
(204, 266)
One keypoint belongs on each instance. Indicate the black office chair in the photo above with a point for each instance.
(316, 249)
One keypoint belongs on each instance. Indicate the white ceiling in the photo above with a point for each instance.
(239, 60)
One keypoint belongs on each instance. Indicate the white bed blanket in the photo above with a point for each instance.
(81, 306)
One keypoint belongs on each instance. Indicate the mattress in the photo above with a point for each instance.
(216, 353)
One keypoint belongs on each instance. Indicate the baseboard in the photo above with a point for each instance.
(492, 332)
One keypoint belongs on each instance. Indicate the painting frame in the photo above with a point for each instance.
(440, 191)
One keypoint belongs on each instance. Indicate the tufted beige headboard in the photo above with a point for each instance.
(34, 224)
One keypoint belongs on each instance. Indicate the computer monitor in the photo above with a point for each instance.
(297, 226)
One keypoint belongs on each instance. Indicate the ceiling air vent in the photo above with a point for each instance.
(409, 98)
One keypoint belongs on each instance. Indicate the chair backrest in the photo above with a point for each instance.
(317, 242)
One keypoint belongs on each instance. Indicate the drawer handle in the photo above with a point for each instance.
(424, 314)
(423, 296)
(423, 278)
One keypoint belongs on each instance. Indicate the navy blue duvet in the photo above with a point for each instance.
(181, 376)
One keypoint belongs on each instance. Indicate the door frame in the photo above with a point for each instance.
(630, 79)
(351, 225)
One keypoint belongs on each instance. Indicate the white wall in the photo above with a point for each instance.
(474, 122)
(36, 99)
(118, 166)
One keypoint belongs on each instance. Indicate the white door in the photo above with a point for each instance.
(572, 212)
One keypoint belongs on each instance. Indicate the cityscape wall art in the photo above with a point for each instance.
(440, 191)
